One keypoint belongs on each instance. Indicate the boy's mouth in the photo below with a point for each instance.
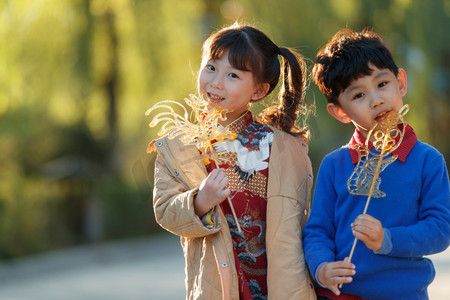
(214, 98)
(381, 116)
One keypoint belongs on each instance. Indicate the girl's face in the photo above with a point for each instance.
(223, 85)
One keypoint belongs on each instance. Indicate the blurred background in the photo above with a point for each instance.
(76, 78)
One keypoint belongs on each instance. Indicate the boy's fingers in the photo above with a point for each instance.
(359, 234)
(335, 290)
(345, 264)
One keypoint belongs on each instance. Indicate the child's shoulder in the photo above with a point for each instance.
(284, 137)
(339, 153)
(338, 160)
(424, 148)
(169, 142)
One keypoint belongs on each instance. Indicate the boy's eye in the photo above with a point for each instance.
(210, 67)
(382, 84)
(359, 95)
(233, 75)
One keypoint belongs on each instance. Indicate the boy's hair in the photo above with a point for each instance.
(346, 58)
(252, 50)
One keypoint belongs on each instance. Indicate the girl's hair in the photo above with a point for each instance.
(251, 50)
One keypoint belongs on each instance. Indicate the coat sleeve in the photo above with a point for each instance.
(173, 204)
(319, 232)
(290, 182)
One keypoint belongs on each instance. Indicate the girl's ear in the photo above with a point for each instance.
(261, 91)
(336, 112)
(402, 82)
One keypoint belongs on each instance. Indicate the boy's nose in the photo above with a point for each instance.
(377, 101)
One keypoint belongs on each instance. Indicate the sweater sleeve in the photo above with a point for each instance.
(431, 234)
(319, 232)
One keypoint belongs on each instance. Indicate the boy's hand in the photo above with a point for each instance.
(212, 191)
(334, 273)
(369, 230)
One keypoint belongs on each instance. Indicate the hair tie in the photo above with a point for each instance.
(279, 50)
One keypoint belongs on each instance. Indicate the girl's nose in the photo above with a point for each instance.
(216, 82)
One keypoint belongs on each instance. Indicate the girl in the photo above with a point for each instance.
(267, 175)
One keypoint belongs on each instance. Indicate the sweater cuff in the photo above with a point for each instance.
(386, 246)
(207, 219)
(316, 274)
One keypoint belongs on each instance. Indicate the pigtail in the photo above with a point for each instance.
(291, 96)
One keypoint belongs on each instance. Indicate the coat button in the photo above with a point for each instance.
(159, 144)
(224, 265)
(176, 173)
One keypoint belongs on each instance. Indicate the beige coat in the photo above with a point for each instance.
(210, 267)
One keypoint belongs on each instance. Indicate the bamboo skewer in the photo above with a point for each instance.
(386, 148)
(234, 214)
(372, 187)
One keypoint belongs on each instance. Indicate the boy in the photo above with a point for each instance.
(358, 76)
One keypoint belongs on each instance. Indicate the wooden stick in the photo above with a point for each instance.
(234, 214)
(372, 187)
(231, 206)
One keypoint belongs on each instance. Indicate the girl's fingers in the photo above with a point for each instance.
(226, 192)
(215, 173)
(224, 180)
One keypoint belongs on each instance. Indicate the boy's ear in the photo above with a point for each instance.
(336, 112)
(261, 91)
(402, 82)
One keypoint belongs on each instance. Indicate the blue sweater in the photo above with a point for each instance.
(415, 210)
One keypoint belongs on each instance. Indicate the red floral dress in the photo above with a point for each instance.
(247, 171)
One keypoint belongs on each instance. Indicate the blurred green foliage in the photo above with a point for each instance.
(77, 76)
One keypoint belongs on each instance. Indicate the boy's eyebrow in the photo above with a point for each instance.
(350, 89)
(381, 73)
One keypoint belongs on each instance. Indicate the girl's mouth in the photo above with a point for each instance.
(214, 98)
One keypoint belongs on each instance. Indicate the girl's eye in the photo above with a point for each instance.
(210, 67)
(233, 75)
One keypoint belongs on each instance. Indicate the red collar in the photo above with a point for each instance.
(241, 123)
(409, 140)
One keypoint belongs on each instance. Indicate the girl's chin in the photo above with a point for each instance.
(211, 106)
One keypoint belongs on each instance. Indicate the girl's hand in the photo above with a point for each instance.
(334, 273)
(212, 192)
(369, 230)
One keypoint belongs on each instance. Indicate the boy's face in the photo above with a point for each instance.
(366, 100)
